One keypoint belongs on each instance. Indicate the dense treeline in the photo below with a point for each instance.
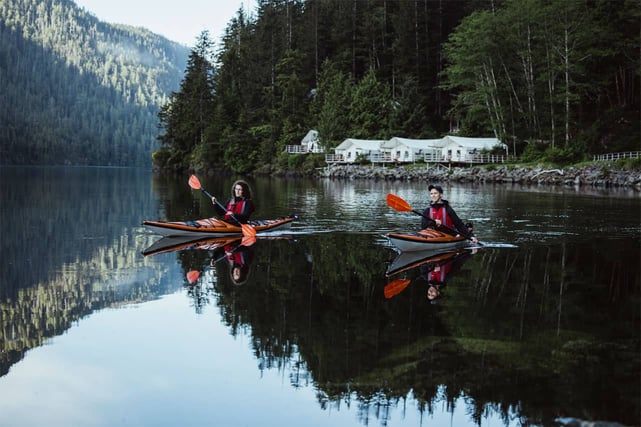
(75, 90)
(550, 78)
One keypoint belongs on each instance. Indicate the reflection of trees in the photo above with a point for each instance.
(49, 308)
(65, 252)
(509, 334)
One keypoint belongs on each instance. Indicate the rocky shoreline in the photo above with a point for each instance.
(602, 176)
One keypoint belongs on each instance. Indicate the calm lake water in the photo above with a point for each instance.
(541, 323)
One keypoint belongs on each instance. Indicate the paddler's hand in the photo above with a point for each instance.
(438, 222)
(474, 240)
(213, 200)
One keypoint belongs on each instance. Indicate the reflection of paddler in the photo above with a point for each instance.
(239, 258)
(436, 274)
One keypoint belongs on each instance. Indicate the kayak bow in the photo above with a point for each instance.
(212, 227)
(428, 239)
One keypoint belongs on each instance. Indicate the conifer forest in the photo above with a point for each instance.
(559, 77)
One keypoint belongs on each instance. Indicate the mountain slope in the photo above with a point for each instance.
(75, 90)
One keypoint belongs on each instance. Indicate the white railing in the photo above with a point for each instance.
(301, 149)
(380, 158)
(469, 158)
(334, 158)
(485, 158)
(295, 149)
(427, 158)
(617, 156)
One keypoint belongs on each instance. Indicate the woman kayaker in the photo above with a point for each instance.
(240, 206)
(440, 214)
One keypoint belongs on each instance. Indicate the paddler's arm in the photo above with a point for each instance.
(460, 226)
(426, 221)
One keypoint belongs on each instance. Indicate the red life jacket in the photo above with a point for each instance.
(440, 212)
(439, 274)
(237, 208)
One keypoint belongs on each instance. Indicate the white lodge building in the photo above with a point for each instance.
(449, 149)
(349, 150)
(405, 150)
(462, 149)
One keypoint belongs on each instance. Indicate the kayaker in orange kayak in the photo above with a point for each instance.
(240, 206)
(440, 214)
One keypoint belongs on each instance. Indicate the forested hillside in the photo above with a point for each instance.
(556, 79)
(75, 90)
(553, 79)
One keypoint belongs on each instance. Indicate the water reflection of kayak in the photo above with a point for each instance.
(213, 227)
(180, 243)
(428, 239)
(185, 243)
(409, 260)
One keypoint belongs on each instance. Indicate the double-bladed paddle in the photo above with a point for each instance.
(247, 229)
(397, 203)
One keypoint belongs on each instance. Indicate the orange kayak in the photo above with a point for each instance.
(424, 240)
(212, 227)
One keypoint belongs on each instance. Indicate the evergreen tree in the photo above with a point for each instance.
(187, 115)
(370, 109)
(330, 105)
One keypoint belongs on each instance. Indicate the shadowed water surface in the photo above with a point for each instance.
(331, 326)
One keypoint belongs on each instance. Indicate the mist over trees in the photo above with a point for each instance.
(75, 90)
(553, 77)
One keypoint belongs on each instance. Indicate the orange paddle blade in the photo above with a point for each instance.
(248, 230)
(248, 240)
(397, 203)
(194, 182)
(395, 287)
(192, 276)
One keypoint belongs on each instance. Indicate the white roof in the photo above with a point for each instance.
(364, 144)
(311, 136)
(480, 143)
(414, 143)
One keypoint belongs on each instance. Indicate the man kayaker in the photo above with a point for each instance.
(440, 214)
(240, 206)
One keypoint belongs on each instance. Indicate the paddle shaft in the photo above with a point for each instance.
(225, 254)
(451, 230)
(221, 205)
